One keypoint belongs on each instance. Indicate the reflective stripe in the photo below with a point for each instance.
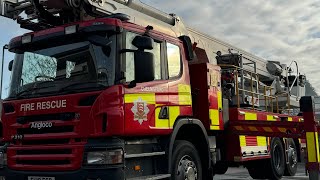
(184, 94)
(160, 123)
(174, 112)
(261, 141)
(214, 117)
(242, 141)
(250, 116)
(267, 129)
(214, 127)
(219, 99)
(150, 98)
(312, 146)
(283, 130)
(271, 118)
(252, 128)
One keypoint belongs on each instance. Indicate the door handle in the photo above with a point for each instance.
(164, 112)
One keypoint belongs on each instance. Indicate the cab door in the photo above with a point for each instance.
(180, 98)
(146, 104)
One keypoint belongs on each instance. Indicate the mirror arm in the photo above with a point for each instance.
(127, 50)
(5, 47)
(132, 84)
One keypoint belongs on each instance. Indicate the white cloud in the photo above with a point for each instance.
(275, 30)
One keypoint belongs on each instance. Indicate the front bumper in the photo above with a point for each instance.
(82, 174)
(110, 172)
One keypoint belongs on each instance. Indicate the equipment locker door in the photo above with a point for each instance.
(215, 98)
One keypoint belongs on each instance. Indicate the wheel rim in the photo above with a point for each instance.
(293, 157)
(277, 157)
(187, 169)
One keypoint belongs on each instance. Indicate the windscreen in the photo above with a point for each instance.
(68, 68)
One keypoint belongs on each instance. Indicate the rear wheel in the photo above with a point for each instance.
(221, 168)
(186, 161)
(276, 165)
(272, 168)
(257, 169)
(291, 167)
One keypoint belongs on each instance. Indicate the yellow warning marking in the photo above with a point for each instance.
(312, 146)
(239, 128)
(243, 141)
(174, 112)
(214, 127)
(289, 118)
(160, 123)
(267, 129)
(219, 100)
(261, 141)
(150, 98)
(252, 128)
(271, 118)
(250, 116)
(282, 130)
(184, 94)
(214, 117)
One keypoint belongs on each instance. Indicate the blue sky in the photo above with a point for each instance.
(273, 29)
(8, 30)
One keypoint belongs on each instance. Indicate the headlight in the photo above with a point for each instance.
(3, 159)
(106, 157)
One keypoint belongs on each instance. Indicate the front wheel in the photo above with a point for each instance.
(186, 162)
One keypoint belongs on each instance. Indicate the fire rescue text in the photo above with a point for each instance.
(43, 105)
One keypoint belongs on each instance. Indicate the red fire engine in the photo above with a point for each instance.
(116, 89)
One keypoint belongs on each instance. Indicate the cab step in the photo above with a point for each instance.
(151, 177)
(144, 155)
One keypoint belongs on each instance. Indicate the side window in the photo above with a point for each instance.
(174, 60)
(130, 58)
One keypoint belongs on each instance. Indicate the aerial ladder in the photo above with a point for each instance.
(285, 83)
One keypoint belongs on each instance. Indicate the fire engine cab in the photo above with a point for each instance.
(116, 89)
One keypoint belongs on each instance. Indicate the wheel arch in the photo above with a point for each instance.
(192, 130)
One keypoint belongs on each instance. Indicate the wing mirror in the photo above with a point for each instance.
(143, 42)
(144, 66)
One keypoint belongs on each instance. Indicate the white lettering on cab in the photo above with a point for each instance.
(46, 105)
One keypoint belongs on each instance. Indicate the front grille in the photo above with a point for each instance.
(46, 157)
(46, 151)
(45, 141)
(46, 148)
(46, 117)
(54, 129)
(44, 162)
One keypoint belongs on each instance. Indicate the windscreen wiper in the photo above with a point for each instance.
(83, 85)
(20, 94)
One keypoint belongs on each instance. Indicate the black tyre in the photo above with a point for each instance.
(276, 165)
(221, 168)
(257, 169)
(186, 161)
(291, 167)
